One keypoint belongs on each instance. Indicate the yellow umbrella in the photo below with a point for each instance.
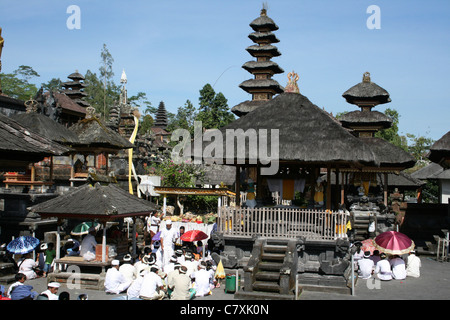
(220, 272)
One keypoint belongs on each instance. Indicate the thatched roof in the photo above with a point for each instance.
(46, 127)
(389, 155)
(216, 174)
(95, 202)
(365, 118)
(247, 106)
(430, 171)
(263, 22)
(306, 133)
(440, 151)
(263, 36)
(268, 49)
(366, 91)
(252, 66)
(92, 133)
(20, 145)
(265, 84)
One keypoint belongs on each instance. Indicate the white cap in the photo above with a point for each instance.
(115, 262)
(54, 285)
(168, 221)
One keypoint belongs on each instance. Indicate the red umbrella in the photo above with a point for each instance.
(193, 235)
(393, 242)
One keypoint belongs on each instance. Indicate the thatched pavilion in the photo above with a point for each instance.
(95, 138)
(440, 151)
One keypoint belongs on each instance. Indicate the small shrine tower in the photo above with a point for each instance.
(161, 117)
(74, 89)
(262, 87)
(366, 95)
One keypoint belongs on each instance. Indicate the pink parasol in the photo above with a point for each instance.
(393, 242)
(368, 245)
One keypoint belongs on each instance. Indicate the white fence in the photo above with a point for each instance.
(283, 223)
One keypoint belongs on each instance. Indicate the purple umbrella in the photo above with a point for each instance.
(157, 236)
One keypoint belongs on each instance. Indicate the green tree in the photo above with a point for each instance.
(106, 73)
(146, 124)
(184, 119)
(54, 84)
(419, 146)
(17, 84)
(391, 134)
(213, 109)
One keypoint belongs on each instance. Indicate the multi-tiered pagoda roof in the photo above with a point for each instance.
(262, 87)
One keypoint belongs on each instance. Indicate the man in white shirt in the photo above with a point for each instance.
(115, 281)
(127, 269)
(365, 266)
(413, 265)
(202, 281)
(398, 268)
(190, 263)
(383, 268)
(135, 287)
(168, 237)
(27, 265)
(152, 286)
(180, 283)
(52, 289)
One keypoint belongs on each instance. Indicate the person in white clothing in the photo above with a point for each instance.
(87, 250)
(135, 287)
(365, 266)
(168, 239)
(383, 268)
(115, 281)
(127, 268)
(27, 266)
(52, 289)
(413, 265)
(398, 268)
(189, 263)
(152, 286)
(203, 280)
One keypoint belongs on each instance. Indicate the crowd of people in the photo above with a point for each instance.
(386, 267)
(167, 269)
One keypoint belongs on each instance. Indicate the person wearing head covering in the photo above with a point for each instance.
(413, 265)
(398, 268)
(88, 245)
(115, 282)
(127, 268)
(180, 284)
(203, 280)
(383, 268)
(365, 266)
(135, 287)
(171, 265)
(190, 263)
(52, 290)
(168, 238)
(73, 247)
(152, 286)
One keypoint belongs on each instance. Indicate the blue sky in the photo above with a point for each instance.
(170, 49)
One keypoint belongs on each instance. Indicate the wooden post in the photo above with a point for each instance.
(328, 187)
(51, 169)
(342, 188)
(238, 186)
(385, 189)
(104, 243)
(33, 175)
(134, 237)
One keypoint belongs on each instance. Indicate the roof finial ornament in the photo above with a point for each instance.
(31, 105)
(292, 86)
(366, 77)
(264, 9)
(90, 112)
